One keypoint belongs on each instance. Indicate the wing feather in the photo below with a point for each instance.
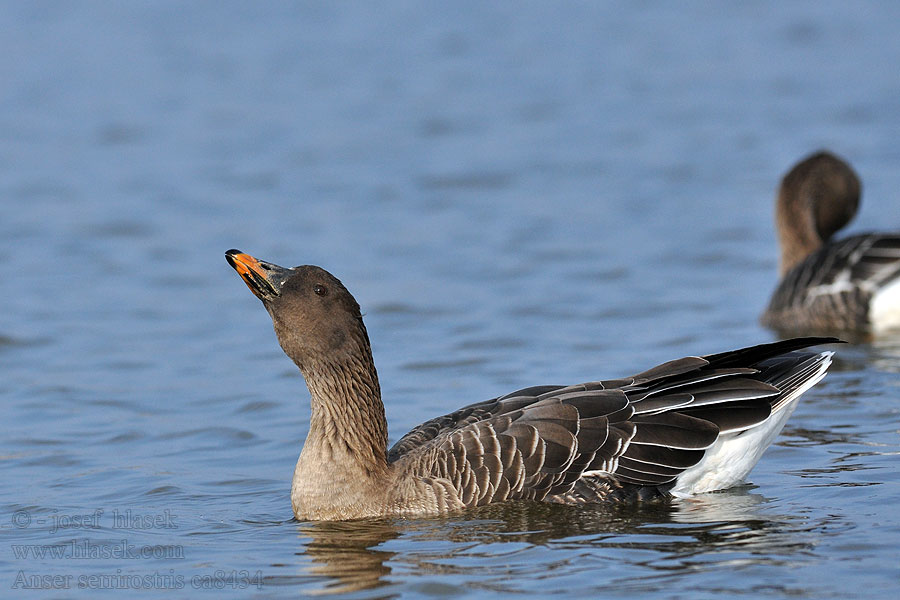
(541, 442)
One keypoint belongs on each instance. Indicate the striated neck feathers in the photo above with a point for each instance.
(347, 424)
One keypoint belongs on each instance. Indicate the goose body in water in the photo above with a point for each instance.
(687, 426)
(849, 285)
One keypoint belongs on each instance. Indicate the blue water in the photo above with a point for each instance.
(517, 194)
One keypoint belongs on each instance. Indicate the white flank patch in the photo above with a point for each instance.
(840, 285)
(884, 309)
(729, 461)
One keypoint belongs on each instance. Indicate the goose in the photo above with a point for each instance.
(848, 285)
(688, 426)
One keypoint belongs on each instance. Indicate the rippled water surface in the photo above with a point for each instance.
(516, 194)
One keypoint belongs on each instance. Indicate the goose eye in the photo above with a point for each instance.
(320, 290)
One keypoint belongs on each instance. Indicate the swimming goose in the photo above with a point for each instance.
(851, 285)
(687, 426)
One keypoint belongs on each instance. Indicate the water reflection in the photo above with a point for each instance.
(346, 555)
(500, 547)
(885, 353)
(862, 351)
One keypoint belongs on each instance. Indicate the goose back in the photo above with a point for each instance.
(614, 439)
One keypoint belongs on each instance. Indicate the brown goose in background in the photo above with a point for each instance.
(851, 285)
(691, 425)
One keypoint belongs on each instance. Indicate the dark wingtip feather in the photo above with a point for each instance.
(754, 354)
